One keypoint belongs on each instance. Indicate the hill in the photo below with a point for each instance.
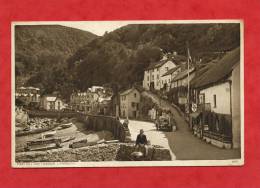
(121, 56)
(41, 51)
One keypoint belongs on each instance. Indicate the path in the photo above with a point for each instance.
(154, 136)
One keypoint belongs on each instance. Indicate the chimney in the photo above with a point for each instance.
(183, 66)
(164, 57)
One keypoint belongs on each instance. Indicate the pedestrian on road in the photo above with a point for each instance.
(126, 121)
(141, 142)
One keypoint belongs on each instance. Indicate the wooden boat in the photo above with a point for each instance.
(43, 144)
(67, 138)
(67, 125)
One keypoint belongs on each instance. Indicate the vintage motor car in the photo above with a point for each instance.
(162, 123)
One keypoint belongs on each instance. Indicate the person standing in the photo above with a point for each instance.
(126, 122)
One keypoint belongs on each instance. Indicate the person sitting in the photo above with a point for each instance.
(141, 142)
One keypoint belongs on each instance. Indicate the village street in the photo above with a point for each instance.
(183, 144)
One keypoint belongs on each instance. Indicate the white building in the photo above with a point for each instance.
(52, 103)
(28, 94)
(154, 75)
(218, 88)
(167, 78)
(129, 103)
(181, 79)
(84, 101)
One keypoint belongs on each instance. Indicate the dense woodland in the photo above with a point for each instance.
(58, 58)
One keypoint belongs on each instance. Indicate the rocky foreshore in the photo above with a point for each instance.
(100, 152)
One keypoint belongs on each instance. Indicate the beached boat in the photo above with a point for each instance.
(43, 144)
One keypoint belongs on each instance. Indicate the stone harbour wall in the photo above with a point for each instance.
(109, 123)
(93, 122)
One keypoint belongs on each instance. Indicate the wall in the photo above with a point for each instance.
(109, 123)
(57, 104)
(163, 70)
(146, 82)
(166, 80)
(100, 152)
(53, 114)
(123, 105)
(126, 104)
(235, 94)
(222, 92)
(93, 122)
(155, 75)
(157, 78)
(136, 100)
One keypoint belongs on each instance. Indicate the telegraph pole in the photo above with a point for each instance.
(188, 62)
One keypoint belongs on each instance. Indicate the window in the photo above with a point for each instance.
(152, 77)
(215, 101)
(135, 95)
(157, 69)
(133, 104)
(166, 68)
(147, 78)
(157, 76)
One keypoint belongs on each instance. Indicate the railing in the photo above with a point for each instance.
(217, 136)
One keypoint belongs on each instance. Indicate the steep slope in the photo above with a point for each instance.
(122, 55)
(41, 48)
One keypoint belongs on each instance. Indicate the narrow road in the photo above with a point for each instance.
(154, 136)
(184, 144)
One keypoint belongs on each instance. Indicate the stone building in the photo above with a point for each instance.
(129, 103)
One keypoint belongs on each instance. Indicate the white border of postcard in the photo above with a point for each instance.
(229, 162)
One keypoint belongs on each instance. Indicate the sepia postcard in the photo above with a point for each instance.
(127, 93)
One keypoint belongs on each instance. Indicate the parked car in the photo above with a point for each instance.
(162, 123)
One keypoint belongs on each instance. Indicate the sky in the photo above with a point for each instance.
(98, 28)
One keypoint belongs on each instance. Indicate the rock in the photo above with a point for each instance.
(100, 152)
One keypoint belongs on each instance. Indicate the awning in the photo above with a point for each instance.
(194, 114)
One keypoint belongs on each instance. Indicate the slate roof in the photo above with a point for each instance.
(51, 99)
(171, 70)
(128, 91)
(217, 72)
(156, 65)
(176, 59)
(183, 74)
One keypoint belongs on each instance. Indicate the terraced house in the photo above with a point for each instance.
(217, 93)
(154, 74)
(84, 101)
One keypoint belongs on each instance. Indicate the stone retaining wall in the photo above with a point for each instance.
(53, 114)
(109, 123)
(93, 122)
